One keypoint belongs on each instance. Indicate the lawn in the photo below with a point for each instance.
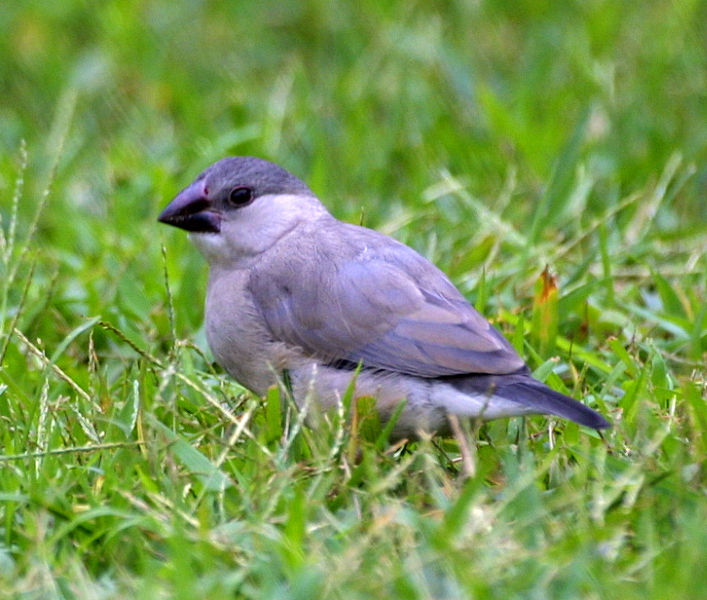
(550, 157)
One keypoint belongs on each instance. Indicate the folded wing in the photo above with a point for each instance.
(379, 302)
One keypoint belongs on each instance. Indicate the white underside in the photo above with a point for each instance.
(480, 406)
(427, 402)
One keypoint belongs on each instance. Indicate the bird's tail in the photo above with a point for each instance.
(538, 396)
(520, 387)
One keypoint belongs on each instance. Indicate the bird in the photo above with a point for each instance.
(296, 295)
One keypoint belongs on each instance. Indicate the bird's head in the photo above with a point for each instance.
(239, 207)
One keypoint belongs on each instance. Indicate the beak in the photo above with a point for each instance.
(192, 210)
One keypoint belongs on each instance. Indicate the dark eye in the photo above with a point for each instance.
(240, 196)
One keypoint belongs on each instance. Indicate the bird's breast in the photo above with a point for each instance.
(238, 335)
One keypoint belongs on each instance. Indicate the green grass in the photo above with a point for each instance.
(498, 141)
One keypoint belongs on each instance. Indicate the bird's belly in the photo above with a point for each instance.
(326, 386)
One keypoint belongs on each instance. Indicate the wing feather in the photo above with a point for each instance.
(371, 299)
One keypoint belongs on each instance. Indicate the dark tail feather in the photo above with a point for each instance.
(536, 395)
(522, 388)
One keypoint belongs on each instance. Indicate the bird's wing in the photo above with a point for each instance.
(379, 302)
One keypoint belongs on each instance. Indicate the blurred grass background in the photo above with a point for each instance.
(495, 138)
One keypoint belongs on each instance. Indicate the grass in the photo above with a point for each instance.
(498, 141)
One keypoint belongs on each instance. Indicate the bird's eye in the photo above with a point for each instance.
(240, 196)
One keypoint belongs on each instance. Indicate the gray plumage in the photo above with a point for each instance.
(292, 288)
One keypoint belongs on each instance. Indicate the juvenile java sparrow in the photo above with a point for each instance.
(292, 289)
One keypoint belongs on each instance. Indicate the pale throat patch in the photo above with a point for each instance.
(211, 245)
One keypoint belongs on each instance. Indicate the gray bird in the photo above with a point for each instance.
(293, 290)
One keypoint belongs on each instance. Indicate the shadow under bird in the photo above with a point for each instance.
(293, 289)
